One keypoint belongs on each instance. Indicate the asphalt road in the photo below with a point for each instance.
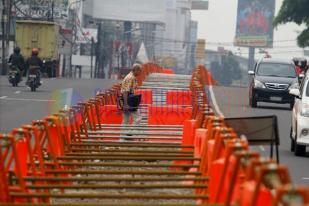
(18, 105)
(233, 102)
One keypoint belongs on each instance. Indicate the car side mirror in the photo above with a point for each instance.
(295, 93)
(251, 72)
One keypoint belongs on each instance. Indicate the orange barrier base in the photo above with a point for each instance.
(164, 115)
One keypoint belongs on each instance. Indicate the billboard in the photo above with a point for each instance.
(254, 23)
(199, 5)
(41, 9)
(129, 10)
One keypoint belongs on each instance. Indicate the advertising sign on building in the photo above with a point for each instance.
(254, 23)
(41, 9)
(129, 10)
(199, 5)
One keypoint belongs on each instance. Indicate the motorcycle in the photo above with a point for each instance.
(14, 75)
(33, 80)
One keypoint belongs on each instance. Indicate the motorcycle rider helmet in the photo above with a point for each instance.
(16, 50)
(35, 51)
(303, 63)
(296, 61)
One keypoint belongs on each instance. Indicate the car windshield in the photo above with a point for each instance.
(276, 69)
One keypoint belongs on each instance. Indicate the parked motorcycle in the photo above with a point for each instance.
(14, 75)
(33, 80)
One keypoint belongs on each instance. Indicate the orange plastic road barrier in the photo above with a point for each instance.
(219, 168)
(199, 141)
(146, 95)
(167, 71)
(216, 146)
(110, 114)
(234, 178)
(179, 98)
(14, 160)
(287, 194)
(55, 138)
(204, 75)
(256, 192)
(188, 137)
(36, 149)
(166, 115)
(4, 187)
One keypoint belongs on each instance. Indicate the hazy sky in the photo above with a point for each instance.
(218, 24)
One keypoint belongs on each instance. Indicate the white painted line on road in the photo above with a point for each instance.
(305, 178)
(31, 100)
(17, 92)
(214, 101)
(3, 97)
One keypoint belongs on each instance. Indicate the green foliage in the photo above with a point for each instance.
(295, 11)
(226, 72)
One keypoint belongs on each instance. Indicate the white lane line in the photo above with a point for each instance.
(31, 100)
(3, 97)
(214, 101)
(17, 92)
(305, 178)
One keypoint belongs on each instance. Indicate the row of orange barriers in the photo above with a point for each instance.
(236, 174)
(35, 150)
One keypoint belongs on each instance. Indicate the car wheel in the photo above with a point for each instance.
(291, 105)
(292, 140)
(300, 150)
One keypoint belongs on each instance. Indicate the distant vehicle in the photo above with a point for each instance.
(33, 79)
(300, 118)
(43, 35)
(14, 76)
(271, 82)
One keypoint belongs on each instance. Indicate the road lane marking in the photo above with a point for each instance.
(31, 100)
(214, 101)
(17, 92)
(305, 178)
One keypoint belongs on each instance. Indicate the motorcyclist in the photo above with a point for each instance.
(17, 61)
(34, 62)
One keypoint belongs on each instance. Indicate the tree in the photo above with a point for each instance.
(295, 11)
(215, 69)
(227, 71)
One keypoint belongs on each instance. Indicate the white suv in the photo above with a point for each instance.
(300, 118)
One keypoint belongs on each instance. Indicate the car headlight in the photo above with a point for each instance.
(258, 84)
(294, 86)
(305, 110)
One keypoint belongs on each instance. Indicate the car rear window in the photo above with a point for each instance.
(276, 69)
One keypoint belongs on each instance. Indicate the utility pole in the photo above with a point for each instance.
(74, 35)
(52, 13)
(5, 34)
(251, 58)
(91, 57)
